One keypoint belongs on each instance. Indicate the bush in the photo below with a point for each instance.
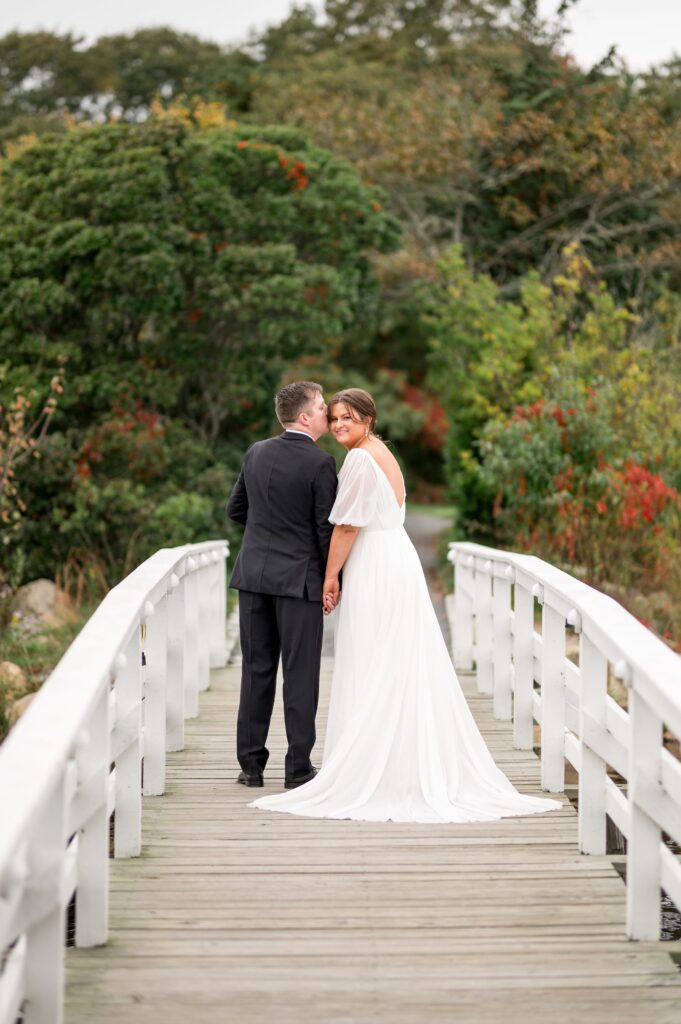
(179, 268)
(563, 491)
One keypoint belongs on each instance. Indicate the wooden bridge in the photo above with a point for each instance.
(224, 913)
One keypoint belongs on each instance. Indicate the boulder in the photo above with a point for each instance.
(12, 680)
(18, 707)
(43, 600)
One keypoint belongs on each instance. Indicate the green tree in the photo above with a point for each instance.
(484, 132)
(45, 77)
(180, 269)
(490, 354)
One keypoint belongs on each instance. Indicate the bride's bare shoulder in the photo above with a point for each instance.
(381, 453)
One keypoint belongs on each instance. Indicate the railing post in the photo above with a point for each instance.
(205, 631)
(523, 667)
(175, 666)
(643, 851)
(218, 609)
(92, 891)
(484, 628)
(553, 701)
(462, 633)
(592, 773)
(191, 639)
(156, 619)
(128, 690)
(44, 968)
(502, 663)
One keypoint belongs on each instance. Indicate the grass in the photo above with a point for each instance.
(37, 654)
(439, 511)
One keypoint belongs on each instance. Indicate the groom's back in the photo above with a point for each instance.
(283, 497)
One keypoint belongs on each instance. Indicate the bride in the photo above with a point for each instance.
(401, 742)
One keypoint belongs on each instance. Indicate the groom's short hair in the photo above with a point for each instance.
(293, 399)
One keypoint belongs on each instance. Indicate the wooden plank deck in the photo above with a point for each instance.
(233, 914)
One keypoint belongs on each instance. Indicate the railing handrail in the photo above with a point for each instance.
(600, 614)
(91, 744)
(532, 679)
(54, 719)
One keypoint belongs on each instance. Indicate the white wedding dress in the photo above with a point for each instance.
(401, 742)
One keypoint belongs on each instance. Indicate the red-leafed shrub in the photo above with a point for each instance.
(562, 493)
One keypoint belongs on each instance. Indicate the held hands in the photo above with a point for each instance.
(331, 594)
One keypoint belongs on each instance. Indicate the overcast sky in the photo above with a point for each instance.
(645, 31)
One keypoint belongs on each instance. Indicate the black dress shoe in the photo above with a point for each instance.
(250, 780)
(294, 783)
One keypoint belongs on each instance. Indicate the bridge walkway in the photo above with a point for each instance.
(233, 914)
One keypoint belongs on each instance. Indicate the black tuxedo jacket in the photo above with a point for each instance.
(283, 496)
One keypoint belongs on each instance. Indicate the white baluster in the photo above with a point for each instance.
(155, 698)
(219, 610)
(643, 851)
(484, 629)
(191, 640)
(92, 892)
(175, 666)
(44, 969)
(502, 664)
(128, 819)
(593, 770)
(523, 668)
(204, 622)
(553, 700)
(462, 633)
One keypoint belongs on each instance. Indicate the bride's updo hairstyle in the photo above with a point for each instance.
(359, 403)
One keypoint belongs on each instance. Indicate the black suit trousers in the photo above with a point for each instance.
(270, 627)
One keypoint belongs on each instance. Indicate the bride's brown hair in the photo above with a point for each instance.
(357, 401)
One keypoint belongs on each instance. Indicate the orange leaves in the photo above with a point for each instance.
(313, 292)
(296, 173)
(529, 412)
(295, 170)
(129, 439)
(643, 495)
(434, 428)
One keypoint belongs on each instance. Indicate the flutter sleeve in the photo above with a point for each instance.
(356, 499)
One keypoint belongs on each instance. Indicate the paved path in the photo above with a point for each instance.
(238, 915)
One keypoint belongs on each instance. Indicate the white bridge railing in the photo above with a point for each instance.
(91, 744)
(532, 680)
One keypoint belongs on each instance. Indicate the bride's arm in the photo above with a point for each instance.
(342, 539)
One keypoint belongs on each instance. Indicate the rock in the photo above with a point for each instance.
(36, 598)
(44, 600)
(12, 680)
(18, 707)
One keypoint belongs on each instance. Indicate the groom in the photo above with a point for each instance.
(283, 496)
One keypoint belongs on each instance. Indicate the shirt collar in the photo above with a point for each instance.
(301, 432)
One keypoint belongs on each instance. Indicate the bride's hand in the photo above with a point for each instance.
(331, 592)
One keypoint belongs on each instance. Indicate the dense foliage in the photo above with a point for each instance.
(564, 424)
(178, 271)
(189, 257)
